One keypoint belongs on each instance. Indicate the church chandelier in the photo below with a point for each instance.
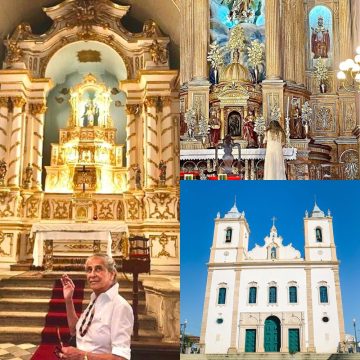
(349, 74)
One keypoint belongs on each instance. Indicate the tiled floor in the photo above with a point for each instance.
(10, 351)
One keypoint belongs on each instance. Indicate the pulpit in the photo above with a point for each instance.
(137, 262)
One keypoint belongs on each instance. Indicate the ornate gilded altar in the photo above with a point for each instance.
(87, 158)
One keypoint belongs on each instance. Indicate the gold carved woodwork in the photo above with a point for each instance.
(96, 246)
(32, 207)
(61, 209)
(164, 241)
(14, 51)
(79, 246)
(7, 204)
(4, 102)
(106, 211)
(158, 52)
(120, 211)
(48, 254)
(3, 237)
(29, 244)
(161, 205)
(132, 109)
(120, 244)
(37, 108)
(45, 210)
(133, 209)
(18, 101)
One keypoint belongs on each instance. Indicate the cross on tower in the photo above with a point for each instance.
(273, 220)
(83, 177)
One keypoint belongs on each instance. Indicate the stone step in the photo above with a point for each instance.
(27, 319)
(28, 304)
(270, 356)
(21, 335)
(46, 292)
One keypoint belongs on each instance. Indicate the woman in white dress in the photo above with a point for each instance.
(274, 159)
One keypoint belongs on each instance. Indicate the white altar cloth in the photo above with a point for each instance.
(72, 232)
(246, 154)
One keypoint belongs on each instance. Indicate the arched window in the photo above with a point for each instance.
(323, 294)
(272, 294)
(318, 233)
(293, 294)
(273, 253)
(252, 295)
(222, 296)
(228, 235)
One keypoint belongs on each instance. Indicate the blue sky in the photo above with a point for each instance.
(261, 200)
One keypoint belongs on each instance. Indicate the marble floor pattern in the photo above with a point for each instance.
(10, 351)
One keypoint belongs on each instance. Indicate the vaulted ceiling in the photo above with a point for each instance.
(164, 12)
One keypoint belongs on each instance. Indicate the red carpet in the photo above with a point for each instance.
(56, 317)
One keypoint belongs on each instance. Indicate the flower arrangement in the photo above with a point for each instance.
(321, 74)
(215, 55)
(237, 39)
(255, 53)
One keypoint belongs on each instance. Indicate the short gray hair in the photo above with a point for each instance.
(109, 262)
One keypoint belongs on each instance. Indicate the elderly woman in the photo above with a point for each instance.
(103, 331)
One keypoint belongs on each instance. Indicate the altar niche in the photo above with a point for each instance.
(87, 157)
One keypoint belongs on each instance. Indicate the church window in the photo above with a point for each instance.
(293, 294)
(252, 295)
(272, 295)
(318, 233)
(228, 235)
(222, 296)
(323, 294)
(273, 253)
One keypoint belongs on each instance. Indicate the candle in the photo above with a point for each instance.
(287, 109)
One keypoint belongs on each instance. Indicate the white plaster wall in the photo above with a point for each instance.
(217, 336)
(282, 276)
(327, 335)
(323, 223)
(320, 253)
(221, 234)
(226, 254)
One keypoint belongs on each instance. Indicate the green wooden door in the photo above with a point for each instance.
(272, 340)
(294, 340)
(250, 340)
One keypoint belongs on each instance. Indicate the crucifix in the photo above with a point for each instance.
(83, 177)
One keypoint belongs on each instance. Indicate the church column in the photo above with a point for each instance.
(151, 140)
(15, 141)
(186, 41)
(200, 34)
(346, 50)
(37, 112)
(289, 44)
(310, 318)
(339, 303)
(4, 113)
(355, 29)
(132, 142)
(235, 313)
(168, 141)
(273, 32)
(299, 42)
(206, 310)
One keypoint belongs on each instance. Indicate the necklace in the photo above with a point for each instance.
(91, 309)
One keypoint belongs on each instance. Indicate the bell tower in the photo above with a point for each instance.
(319, 236)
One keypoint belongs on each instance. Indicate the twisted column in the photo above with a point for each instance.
(273, 32)
(15, 141)
(4, 112)
(151, 142)
(168, 140)
(131, 142)
(37, 112)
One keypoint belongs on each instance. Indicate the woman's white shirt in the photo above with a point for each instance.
(111, 328)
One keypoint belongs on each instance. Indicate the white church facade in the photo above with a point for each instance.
(269, 298)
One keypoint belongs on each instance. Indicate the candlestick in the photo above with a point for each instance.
(287, 109)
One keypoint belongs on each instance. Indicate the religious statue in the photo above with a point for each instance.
(137, 177)
(248, 130)
(162, 168)
(149, 28)
(158, 53)
(3, 171)
(91, 114)
(297, 127)
(234, 124)
(240, 10)
(320, 40)
(215, 127)
(274, 159)
(14, 52)
(28, 176)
